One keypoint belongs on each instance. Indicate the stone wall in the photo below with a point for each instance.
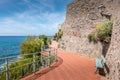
(113, 55)
(81, 18)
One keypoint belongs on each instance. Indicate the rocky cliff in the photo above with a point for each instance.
(113, 55)
(81, 18)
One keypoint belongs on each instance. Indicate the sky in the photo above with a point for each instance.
(31, 17)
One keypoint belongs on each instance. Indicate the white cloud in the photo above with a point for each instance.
(40, 5)
(29, 24)
(40, 18)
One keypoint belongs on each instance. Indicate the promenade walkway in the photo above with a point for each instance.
(68, 67)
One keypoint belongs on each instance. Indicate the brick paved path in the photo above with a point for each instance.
(68, 67)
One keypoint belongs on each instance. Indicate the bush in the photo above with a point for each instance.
(18, 72)
(92, 37)
(25, 69)
(46, 40)
(52, 59)
(34, 44)
(103, 32)
(58, 35)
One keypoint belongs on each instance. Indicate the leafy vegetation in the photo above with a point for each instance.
(92, 37)
(33, 44)
(46, 40)
(24, 65)
(103, 32)
(58, 35)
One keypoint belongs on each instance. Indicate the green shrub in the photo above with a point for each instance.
(58, 35)
(52, 59)
(33, 44)
(103, 32)
(92, 37)
(46, 40)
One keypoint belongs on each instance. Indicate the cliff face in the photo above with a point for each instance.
(113, 55)
(81, 18)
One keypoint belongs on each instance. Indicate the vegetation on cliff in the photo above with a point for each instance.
(92, 37)
(103, 32)
(58, 35)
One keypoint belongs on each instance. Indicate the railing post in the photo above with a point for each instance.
(49, 58)
(21, 72)
(41, 61)
(41, 48)
(45, 62)
(7, 76)
(55, 54)
(34, 68)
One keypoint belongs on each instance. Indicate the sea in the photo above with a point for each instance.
(10, 46)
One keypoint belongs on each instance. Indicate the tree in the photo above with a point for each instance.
(46, 40)
(33, 44)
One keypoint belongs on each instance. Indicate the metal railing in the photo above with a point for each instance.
(25, 66)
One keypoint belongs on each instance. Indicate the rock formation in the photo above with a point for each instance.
(113, 55)
(81, 18)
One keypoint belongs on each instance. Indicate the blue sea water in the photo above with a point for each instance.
(10, 45)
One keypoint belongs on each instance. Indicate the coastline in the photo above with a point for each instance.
(14, 41)
(2, 65)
